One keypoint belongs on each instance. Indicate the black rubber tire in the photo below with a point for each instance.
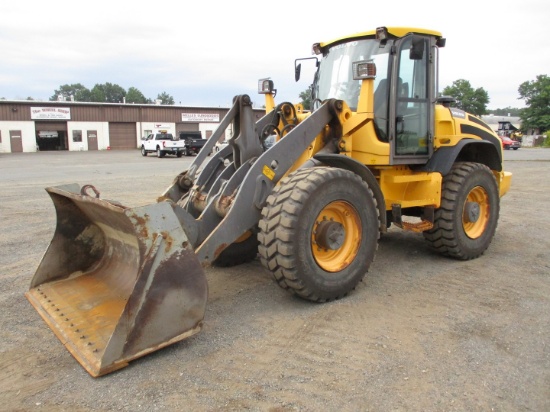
(160, 153)
(287, 229)
(179, 154)
(239, 252)
(448, 235)
(143, 151)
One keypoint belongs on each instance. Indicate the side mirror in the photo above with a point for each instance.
(417, 48)
(298, 66)
(297, 70)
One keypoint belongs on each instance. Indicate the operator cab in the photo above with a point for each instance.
(405, 85)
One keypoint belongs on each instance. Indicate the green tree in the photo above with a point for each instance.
(97, 94)
(536, 94)
(76, 90)
(467, 98)
(306, 97)
(165, 98)
(135, 96)
(108, 93)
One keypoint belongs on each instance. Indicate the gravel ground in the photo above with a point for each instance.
(421, 332)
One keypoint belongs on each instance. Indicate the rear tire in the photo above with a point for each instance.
(143, 151)
(466, 222)
(319, 233)
(160, 153)
(238, 253)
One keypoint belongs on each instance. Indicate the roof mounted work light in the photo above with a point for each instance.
(316, 48)
(265, 86)
(382, 35)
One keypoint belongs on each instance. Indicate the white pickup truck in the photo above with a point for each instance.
(162, 144)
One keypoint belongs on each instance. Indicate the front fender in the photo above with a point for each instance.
(347, 163)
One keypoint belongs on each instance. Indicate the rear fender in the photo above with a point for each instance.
(467, 150)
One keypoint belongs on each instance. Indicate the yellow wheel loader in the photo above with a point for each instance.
(379, 147)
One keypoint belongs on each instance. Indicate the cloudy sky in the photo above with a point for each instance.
(205, 52)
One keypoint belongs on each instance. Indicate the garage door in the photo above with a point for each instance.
(122, 135)
(51, 135)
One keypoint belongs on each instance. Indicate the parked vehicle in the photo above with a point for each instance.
(193, 142)
(162, 144)
(270, 141)
(506, 128)
(508, 143)
(267, 143)
(220, 145)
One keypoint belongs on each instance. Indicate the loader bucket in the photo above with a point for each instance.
(117, 283)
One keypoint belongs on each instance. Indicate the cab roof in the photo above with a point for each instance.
(394, 31)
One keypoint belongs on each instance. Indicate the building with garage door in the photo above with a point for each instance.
(30, 126)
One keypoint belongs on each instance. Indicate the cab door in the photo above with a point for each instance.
(411, 111)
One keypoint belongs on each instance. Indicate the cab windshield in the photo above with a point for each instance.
(334, 79)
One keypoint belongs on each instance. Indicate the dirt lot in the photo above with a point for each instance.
(421, 333)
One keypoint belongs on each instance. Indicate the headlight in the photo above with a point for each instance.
(364, 70)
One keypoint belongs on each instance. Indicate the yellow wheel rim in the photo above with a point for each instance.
(336, 236)
(243, 237)
(476, 212)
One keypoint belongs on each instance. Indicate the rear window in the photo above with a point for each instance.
(190, 135)
(164, 136)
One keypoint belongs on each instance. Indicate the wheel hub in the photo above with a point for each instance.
(330, 235)
(336, 236)
(472, 212)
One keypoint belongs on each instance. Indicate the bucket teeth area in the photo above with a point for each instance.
(83, 312)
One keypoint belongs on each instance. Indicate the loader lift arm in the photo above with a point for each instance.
(228, 211)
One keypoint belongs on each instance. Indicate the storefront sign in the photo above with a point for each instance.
(48, 113)
(200, 117)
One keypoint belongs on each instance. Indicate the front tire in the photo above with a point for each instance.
(319, 233)
(143, 151)
(466, 222)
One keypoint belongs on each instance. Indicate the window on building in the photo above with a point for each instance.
(77, 135)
